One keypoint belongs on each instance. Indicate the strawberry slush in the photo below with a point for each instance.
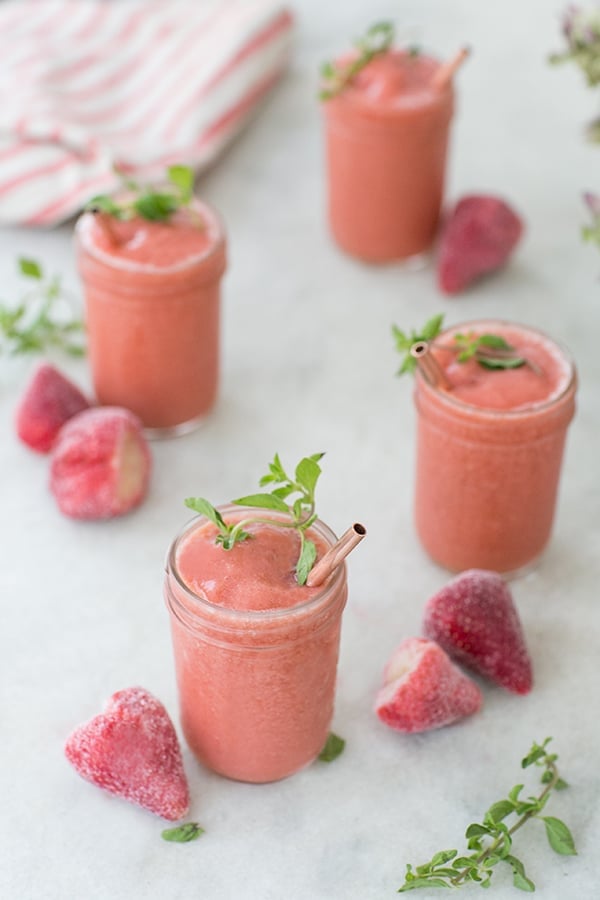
(152, 308)
(255, 653)
(489, 452)
(387, 137)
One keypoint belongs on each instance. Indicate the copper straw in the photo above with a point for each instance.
(444, 75)
(336, 555)
(428, 365)
(104, 221)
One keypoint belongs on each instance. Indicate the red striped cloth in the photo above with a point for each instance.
(87, 84)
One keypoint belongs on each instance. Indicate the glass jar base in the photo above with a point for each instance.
(171, 431)
(508, 575)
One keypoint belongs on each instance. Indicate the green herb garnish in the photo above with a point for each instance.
(334, 747)
(183, 834)
(491, 351)
(581, 31)
(295, 497)
(404, 341)
(335, 77)
(42, 319)
(491, 840)
(146, 201)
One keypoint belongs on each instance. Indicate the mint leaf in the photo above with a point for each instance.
(263, 501)
(30, 268)
(490, 362)
(334, 747)
(183, 179)
(307, 474)
(183, 834)
(204, 508)
(306, 561)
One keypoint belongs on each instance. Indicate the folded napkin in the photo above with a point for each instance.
(87, 84)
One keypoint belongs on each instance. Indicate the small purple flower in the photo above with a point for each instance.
(592, 201)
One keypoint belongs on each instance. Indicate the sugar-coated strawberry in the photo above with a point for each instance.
(478, 237)
(423, 689)
(48, 402)
(475, 620)
(100, 464)
(131, 749)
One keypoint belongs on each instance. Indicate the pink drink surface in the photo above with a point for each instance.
(256, 662)
(387, 135)
(152, 309)
(489, 454)
(545, 374)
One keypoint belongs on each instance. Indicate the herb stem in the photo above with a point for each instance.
(530, 814)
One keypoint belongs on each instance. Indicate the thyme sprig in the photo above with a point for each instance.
(42, 319)
(492, 839)
(581, 31)
(294, 496)
(336, 76)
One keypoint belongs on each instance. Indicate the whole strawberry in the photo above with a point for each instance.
(423, 689)
(48, 402)
(478, 237)
(475, 620)
(131, 749)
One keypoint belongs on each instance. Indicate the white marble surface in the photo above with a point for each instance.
(308, 364)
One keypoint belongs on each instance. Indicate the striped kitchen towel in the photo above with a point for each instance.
(89, 84)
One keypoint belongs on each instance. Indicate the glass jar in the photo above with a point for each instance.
(487, 479)
(256, 687)
(153, 329)
(386, 164)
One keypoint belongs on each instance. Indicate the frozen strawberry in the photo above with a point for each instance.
(475, 620)
(478, 237)
(100, 464)
(131, 749)
(49, 401)
(423, 689)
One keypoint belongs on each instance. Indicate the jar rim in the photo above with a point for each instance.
(215, 224)
(493, 413)
(253, 616)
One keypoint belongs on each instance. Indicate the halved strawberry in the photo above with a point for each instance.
(423, 689)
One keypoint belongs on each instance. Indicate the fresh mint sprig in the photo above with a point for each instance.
(491, 841)
(294, 496)
(377, 40)
(43, 319)
(491, 351)
(146, 201)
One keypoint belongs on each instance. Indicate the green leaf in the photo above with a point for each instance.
(334, 747)
(155, 207)
(307, 474)
(432, 327)
(492, 362)
(204, 508)
(183, 178)
(500, 810)
(523, 883)
(443, 856)
(183, 834)
(475, 830)
(495, 341)
(423, 882)
(263, 501)
(104, 203)
(514, 793)
(559, 836)
(306, 561)
(30, 268)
